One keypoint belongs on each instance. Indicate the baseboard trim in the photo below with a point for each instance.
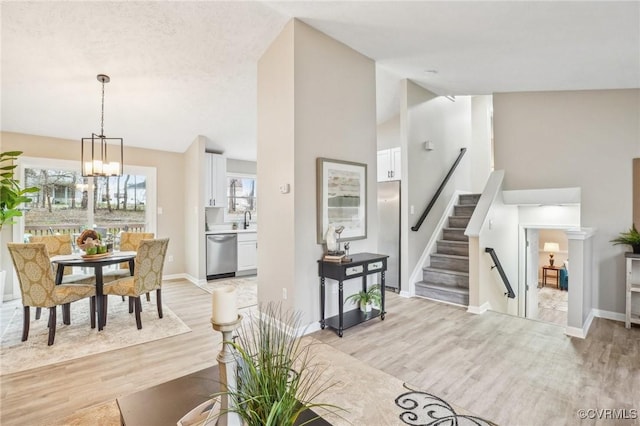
(615, 316)
(441, 301)
(405, 294)
(581, 333)
(478, 310)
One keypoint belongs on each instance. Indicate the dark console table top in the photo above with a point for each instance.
(166, 403)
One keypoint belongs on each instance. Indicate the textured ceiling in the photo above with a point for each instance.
(182, 69)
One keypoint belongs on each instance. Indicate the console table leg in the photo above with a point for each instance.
(322, 292)
(340, 307)
(382, 292)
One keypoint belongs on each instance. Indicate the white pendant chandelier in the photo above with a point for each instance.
(100, 155)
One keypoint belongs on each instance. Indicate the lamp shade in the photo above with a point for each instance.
(551, 247)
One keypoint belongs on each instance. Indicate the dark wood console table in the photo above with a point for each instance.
(166, 403)
(361, 265)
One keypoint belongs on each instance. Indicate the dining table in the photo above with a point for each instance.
(97, 262)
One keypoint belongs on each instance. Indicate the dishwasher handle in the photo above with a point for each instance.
(221, 238)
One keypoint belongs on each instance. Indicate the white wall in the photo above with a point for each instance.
(193, 210)
(499, 232)
(583, 139)
(425, 116)
(316, 98)
(389, 133)
(480, 155)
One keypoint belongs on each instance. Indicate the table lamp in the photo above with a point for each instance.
(551, 248)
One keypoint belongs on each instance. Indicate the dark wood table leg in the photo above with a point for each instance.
(322, 292)
(99, 297)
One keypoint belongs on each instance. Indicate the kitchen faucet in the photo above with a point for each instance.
(246, 224)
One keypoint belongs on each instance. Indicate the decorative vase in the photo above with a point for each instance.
(330, 237)
(365, 307)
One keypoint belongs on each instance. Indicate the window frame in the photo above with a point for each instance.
(229, 217)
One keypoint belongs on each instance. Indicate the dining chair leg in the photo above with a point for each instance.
(123, 298)
(130, 305)
(159, 301)
(25, 323)
(38, 313)
(148, 297)
(66, 313)
(52, 325)
(92, 310)
(138, 304)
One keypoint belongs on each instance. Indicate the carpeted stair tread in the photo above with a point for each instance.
(443, 287)
(445, 271)
(450, 256)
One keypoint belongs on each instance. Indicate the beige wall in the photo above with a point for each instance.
(389, 133)
(193, 214)
(583, 139)
(170, 180)
(636, 192)
(316, 98)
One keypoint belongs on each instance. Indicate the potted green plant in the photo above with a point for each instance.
(366, 299)
(277, 379)
(631, 238)
(11, 196)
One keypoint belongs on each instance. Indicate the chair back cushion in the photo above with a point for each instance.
(56, 245)
(149, 263)
(33, 267)
(129, 241)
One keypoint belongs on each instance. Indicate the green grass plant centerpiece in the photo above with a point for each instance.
(631, 238)
(277, 378)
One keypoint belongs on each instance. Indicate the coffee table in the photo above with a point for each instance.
(166, 403)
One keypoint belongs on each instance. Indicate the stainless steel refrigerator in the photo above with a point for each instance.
(389, 230)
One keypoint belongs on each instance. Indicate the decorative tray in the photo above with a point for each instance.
(95, 256)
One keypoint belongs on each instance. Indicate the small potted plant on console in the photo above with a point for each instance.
(366, 299)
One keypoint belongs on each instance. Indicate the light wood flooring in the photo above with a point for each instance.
(508, 370)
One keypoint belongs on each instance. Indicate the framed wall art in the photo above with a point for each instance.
(341, 198)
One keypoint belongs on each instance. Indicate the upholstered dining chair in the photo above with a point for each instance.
(38, 288)
(129, 241)
(60, 245)
(147, 276)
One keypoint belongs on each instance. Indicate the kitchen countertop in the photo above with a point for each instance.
(231, 231)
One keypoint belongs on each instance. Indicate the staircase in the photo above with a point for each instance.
(447, 279)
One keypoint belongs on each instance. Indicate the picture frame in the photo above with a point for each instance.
(341, 190)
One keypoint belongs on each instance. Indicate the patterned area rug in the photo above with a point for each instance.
(247, 288)
(549, 298)
(78, 339)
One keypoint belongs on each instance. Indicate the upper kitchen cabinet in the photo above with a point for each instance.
(389, 164)
(216, 180)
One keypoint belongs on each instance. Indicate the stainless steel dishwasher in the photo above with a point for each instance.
(222, 255)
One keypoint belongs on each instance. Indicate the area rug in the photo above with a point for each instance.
(247, 288)
(78, 339)
(549, 298)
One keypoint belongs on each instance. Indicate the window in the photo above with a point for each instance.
(241, 196)
(68, 202)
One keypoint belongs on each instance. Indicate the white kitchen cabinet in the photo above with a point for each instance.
(247, 251)
(216, 180)
(389, 164)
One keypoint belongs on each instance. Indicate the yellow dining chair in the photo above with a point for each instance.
(129, 241)
(61, 245)
(38, 287)
(147, 276)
